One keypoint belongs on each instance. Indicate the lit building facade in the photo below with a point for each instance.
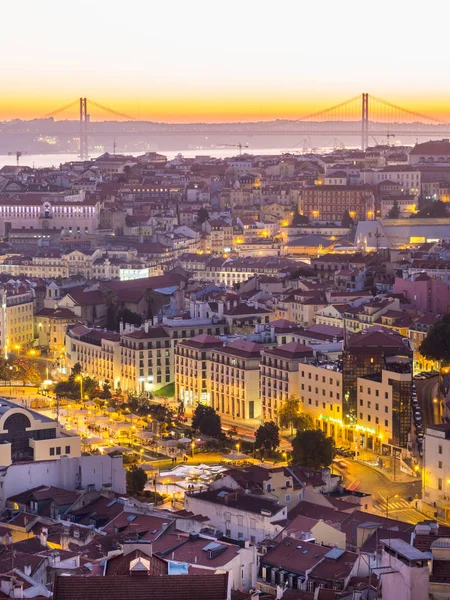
(280, 376)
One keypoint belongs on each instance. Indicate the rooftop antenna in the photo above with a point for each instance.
(114, 146)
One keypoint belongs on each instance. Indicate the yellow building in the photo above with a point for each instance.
(279, 376)
(51, 328)
(16, 316)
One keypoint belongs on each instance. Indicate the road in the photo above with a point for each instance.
(389, 498)
(426, 394)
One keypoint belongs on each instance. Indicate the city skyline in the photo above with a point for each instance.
(252, 62)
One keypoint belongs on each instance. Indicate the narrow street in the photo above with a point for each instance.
(389, 498)
(426, 394)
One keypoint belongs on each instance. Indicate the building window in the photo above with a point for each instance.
(440, 464)
(440, 449)
(287, 498)
(386, 423)
(440, 484)
(52, 452)
(67, 449)
(58, 450)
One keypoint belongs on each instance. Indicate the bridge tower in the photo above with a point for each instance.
(84, 120)
(365, 121)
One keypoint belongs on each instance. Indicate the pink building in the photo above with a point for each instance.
(424, 293)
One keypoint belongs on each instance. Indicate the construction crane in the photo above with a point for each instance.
(17, 154)
(240, 146)
(388, 137)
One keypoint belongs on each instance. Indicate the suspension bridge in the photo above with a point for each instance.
(365, 117)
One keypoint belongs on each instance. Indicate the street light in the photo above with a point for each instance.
(387, 503)
(284, 454)
(238, 446)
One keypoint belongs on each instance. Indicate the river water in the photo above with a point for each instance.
(54, 160)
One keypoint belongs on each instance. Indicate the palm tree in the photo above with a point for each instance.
(150, 297)
(111, 310)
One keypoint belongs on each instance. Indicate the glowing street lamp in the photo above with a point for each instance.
(387, 503)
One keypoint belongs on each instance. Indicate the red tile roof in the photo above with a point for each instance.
(123, 587)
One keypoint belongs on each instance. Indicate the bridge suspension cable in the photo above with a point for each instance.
(53, 113)
(405, 110)
(110, 110)
(61, 109)
(336, 109)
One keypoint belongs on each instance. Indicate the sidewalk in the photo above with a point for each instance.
(371, 460)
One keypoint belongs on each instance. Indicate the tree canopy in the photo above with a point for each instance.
(433, 210)
(299, 219)
(347, 221)
(267, 437)
(207, 421)
(394, 212)
(312, 449)
(290, 415)
(436, 345)
(136, 480)
(202, 215)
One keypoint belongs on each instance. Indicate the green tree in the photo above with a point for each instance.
(106, 391)
(127, 316)
(304, 421)
(202, 215)
(394, 213)
(207, 421)
(150, 297)
(298, 219)
(312, 449)
(347, 221)
(111, 310)
(289, 412)
(136, 480)
(432, 210)
(267, 437)
(436, 345)
(27, 371)
(290, 415)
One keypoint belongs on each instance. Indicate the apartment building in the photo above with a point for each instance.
(279, 371)
(16, 315)
(417, 333)
(234, 270)
(330, 202)
(385, 358)
(383, 418)
(136, 360)
(364, 316)
(320, 390)
(146, 359)
(51, 327)
(436, 471)
(192, 369)
(237, 514)
(408, 178)
(224, 376)
(97, 351)
(235, 380)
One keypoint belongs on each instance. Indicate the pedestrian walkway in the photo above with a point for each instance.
(394, 474)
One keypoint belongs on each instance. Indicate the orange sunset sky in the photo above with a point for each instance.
(204, 61)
